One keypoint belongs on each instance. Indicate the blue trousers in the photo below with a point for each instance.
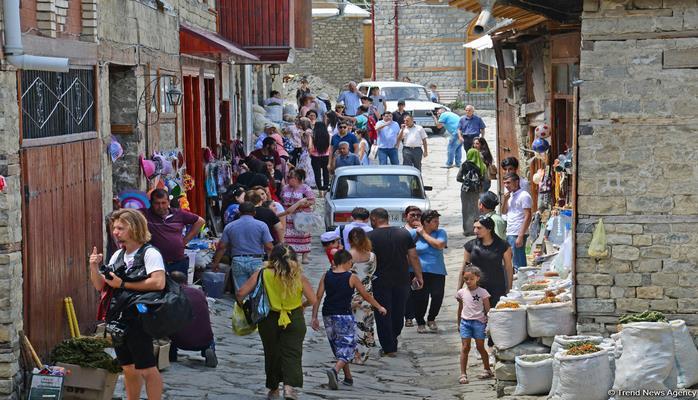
(385, 154)
(453, 151)
(389, 326)
(518, 253)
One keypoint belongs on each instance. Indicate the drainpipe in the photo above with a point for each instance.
(373, 33)
(397, 42)
(484, 20)
(14, 51)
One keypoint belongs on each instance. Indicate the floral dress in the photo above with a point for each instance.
(363, 313)
(298, 240)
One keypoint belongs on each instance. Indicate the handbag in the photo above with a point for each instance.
(257, 306)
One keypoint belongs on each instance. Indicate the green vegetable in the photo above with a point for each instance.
(646, 316)
(579, 343)
(85, 352)
(533, 286)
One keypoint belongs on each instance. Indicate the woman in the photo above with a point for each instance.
(493, 256)
(304, 161)
(320, 156)
(470, 175)
(303, 91)
(431, 242)
(294, 191)
(136, 267)
(283, 330)
(231, 202)
(312, 116)
(274, 176)
(481, 145)
(364, 267)
(412, 217)
(364, 147)
(306, 105)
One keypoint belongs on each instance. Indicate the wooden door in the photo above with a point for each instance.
(368, 52)
(507, 145)
(192, 143)
(62, 221)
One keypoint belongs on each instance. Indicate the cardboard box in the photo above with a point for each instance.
(161, 348)
(88, 383)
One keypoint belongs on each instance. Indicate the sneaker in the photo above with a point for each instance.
(347, 382)
(211, 359)
(332, 379)
(432, 326)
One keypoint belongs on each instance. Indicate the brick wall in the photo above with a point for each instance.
(637, 130)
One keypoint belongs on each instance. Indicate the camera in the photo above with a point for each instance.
(117, 330)
(105, 270)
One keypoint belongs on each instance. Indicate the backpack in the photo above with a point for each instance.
(469, 177)
(168, 311)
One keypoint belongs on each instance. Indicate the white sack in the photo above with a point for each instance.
(533, 375)
(561, 342)
(584, 377)
(275, 113)
(686, 355)
(551, 319)
(507, 326)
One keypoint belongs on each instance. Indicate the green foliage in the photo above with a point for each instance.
(647, 316)
(87, 352)
(457, 105)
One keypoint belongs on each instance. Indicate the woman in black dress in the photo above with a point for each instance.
(493, 256)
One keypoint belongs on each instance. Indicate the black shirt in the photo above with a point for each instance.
(390, 244)
(250, 179)
(399, 117)
(490, 260)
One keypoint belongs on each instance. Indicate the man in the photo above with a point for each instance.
(166, 226)
(388, 131)
(450, 121)
(510, 165)
(413, 220)
(367, 102)
(351, 99)
(395, 252)
(268, 150)
(344, 158)
(378, 100)
(414, 143)
(359, 219)
(303, 90)
(247, 241)
(518, 211)
(343, 135)
(486, 204)
(266, 215)
(275, 98)
(433, 94)
(470, 127)
(197, 335)
(400, 114)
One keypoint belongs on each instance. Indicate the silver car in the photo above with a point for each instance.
(393, 187)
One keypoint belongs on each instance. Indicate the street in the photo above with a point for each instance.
(426, 367)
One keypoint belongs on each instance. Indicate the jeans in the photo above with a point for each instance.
(468, 141)
(389, 326)
(385, 154)
(322, 173)
(518, 253)
(434, 285)
(453, 151)
(243, 268)
(181, 266)
(412, 156)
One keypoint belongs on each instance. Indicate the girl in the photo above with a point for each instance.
(336, 314)
(473, 306)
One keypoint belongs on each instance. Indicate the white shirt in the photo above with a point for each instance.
(152, 258)
(414, 136)
(518, 202)
(348, 228)
(379, 103)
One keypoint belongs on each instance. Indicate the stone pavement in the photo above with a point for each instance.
(426, 366)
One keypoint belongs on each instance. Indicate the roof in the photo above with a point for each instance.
(351, 11)
(197, 41)
(390, 83)
(378, 170)
(563, 11)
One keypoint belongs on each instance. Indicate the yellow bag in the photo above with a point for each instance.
(240, 325)
(598, 247)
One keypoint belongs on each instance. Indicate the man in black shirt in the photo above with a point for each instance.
(400, 113)
(395, 252)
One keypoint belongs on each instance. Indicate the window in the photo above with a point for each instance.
(564, 75)
(378, 186)
(405, 93)
(166, 83)
(481, 76)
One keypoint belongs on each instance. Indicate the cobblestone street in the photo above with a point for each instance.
(426, 366)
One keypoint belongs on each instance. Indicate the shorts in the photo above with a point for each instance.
(341, 333)
(472, 329)
(137, 348)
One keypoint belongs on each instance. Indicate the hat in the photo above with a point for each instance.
(330, 236)
(115, 149)
(134, 199)
(162, 165)
(401, 101)
(323, 96)
(489, 200)
(147, 166)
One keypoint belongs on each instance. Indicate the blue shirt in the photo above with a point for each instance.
(343, 161)
(450, 121)
(387, 137)
(471, 126)
(246, 236)
(352, 101)
(431, 258)
(349, 138)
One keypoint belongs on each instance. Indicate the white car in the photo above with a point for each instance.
(416, 98)
(393, 187)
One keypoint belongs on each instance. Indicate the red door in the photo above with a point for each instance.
(193, 152)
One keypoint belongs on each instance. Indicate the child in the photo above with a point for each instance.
(473, 306)
(339, 322)
(330, 242)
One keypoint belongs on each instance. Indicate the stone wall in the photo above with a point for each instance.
(431, 38)
(637, 132)
(337, 55)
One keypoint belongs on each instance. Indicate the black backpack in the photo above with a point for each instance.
(168, 310)
(469, 177)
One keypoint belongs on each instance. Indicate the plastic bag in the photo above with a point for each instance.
(507, 326)
(598, 247)
(307, 222)
(648, 359)
(534, 374)
(584, 377)
(550, 319)
(240, 325)
(686, 355)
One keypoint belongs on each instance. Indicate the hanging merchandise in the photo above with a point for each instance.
(598, 247)
(134, 199)
(163, 166)
(188, 182)
(540, 145)
(211, 186)
(542, 131)
(115, 150)
(147, 166)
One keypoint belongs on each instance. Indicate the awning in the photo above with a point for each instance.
(485, 52)
(200, 42)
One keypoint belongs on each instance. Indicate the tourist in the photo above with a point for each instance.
(413, 220)
(388, 132)
(450, 121)
(319, 149)
(364, 146)
(340, 283)
(433, 94)
(312, 116)
(414, 143)
(232, 199)
(510, 165)
(293, 192)
(364, 268)
(378, 100)
(430, 244)
(283, 330)
(400, 114)
(351, 98)
(470, 176)
(486, 204)
(302, 91)
(343, 158)
(470, 127)
(473, 306)
(517, 208)
(359, 219)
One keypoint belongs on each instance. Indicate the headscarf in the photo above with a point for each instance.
(474, 157)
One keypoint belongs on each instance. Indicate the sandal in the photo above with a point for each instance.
(486, 375)
(463, 380)
(421, 329)
(409, 323)
(273, 395)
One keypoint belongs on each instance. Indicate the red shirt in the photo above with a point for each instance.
(167, 233)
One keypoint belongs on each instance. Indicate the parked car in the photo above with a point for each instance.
(393, 187)
(416, 98)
